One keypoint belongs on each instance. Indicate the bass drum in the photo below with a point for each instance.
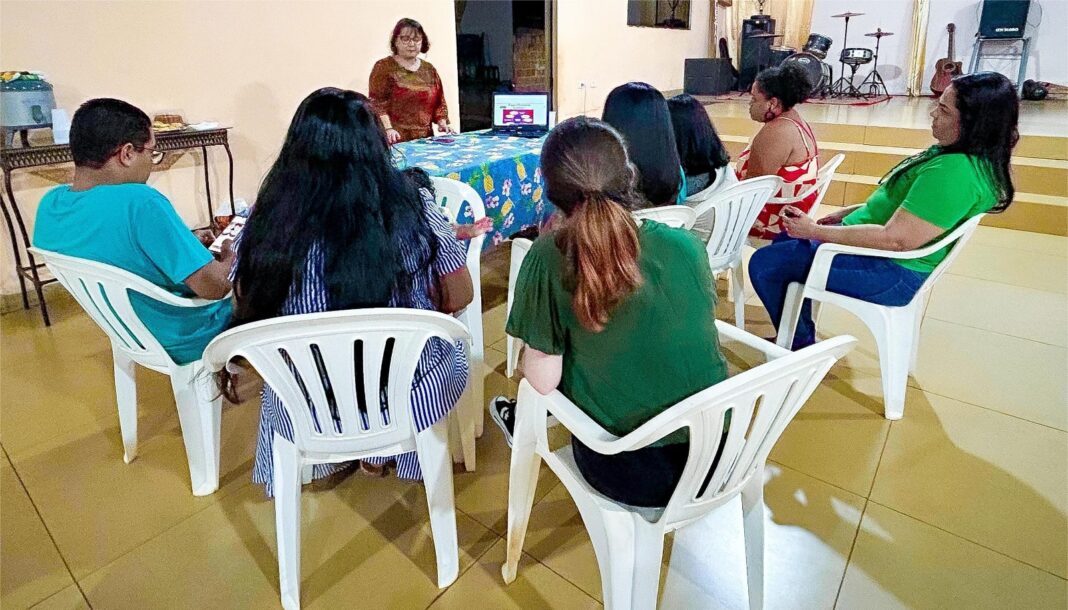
(819, 73)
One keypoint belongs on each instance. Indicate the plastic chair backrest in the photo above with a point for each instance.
(725, 177)
(103, 292)
(762, 401)
(678, 216)
(520, 247)
(823, 182)
(734, 211)
(956, 240)
(344, 377)
(453, 195)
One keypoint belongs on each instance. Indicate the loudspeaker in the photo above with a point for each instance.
(756, 52)
(708, 76)
(1004, 18)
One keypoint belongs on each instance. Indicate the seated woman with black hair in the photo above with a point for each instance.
(700, 149)
(640, 114)
(784, 146)
(337, 227)
(918, 202)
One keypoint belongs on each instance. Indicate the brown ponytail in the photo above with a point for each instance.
(600, 239)
(589, 177)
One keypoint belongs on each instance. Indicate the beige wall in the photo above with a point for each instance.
(247, 64)
(595, 45)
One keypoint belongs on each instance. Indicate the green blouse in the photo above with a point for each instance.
(659, 346)
(945, 191)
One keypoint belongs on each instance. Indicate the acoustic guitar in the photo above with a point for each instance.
(946, 68)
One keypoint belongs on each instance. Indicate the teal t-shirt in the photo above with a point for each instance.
(135, 228)
(945, 191)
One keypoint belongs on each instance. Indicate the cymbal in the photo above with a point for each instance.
(765, 36)
(846, 15)
(879, 34)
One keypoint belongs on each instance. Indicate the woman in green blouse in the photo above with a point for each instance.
(620, 317)
(923, 198)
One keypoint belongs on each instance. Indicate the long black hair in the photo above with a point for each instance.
(989, 115)
(639, 112)
(332, 187)
(699, 146)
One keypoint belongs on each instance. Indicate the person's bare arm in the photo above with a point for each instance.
(905, 231)
(457, 290)
(835, 217)
(542, 370)
(770, 149)
(212, 281)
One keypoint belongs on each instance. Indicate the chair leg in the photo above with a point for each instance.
(522, 483)
(468, 413)
(753, 527)
(126, 400)
(432, 447)
(513, 347)
(914, 356)
(791, 310)
(455, 428)
(738, 290)
(629, 553)
(307, 474)
(477, 382)
(287, 480)
(892, 328)
(200, 416)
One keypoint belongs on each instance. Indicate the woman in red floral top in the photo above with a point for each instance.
(406, 91)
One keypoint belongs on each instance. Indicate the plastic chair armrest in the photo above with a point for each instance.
(821, 263)
(770, 350)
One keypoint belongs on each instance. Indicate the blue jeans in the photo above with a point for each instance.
(786, 260)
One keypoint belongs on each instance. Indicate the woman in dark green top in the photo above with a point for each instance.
(926, 196)
(619, 317)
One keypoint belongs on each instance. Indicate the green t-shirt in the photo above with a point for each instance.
(659, 347)
(945, 191)
(135, 228)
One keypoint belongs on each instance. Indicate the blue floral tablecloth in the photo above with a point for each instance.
(503, 170)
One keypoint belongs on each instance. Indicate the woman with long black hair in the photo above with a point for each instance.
(923, 198)
(640, 114)
(701, 152)
(336, 227)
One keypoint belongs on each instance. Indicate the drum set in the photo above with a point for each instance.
(812, 59)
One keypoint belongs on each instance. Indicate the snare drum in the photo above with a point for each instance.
(779, 54)
(856, 56)
(819, 73)
(818, 45)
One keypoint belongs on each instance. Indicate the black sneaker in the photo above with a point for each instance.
(502, 411)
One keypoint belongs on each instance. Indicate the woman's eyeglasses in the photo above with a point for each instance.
(411, 39)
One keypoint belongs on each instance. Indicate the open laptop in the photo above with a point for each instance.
(520, 114)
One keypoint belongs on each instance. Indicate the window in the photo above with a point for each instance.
(673, 14)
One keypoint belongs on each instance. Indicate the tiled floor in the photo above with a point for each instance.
(961, 504)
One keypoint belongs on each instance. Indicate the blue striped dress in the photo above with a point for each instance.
(442, 372)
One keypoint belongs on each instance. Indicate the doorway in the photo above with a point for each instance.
(501, 46)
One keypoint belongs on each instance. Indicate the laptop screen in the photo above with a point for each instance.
(521, 110)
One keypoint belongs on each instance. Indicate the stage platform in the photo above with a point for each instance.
(875, 138)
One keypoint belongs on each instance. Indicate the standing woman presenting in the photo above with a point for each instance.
(406, 91)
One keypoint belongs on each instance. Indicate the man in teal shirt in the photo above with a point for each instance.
(109, 215)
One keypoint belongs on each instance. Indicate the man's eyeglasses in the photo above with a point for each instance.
(411, 39)
(157, 155)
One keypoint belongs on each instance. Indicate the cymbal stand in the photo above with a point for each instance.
(844, 86)
(874, 81)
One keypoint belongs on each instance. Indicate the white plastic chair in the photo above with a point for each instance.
(678, 216)
(520, 247)
(103, 292)
(344, 379)
(823, 183)
(469, 418)
(733, 211)
(896, 329)
(629, 541)
(725, 177)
